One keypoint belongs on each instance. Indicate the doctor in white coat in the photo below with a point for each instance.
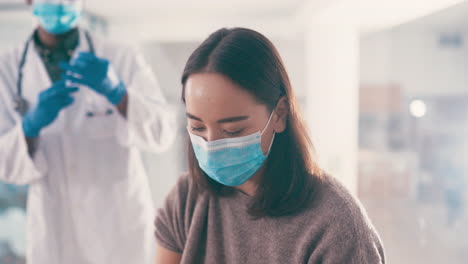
(75, 110)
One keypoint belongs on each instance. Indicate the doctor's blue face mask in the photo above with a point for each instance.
(58, 17)
(231, 161)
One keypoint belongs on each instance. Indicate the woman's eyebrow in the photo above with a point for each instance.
(233, 119)
(193, 117)
(224, 120)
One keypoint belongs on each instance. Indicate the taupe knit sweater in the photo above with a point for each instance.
(204, 228)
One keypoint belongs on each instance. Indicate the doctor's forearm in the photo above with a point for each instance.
(123, 105)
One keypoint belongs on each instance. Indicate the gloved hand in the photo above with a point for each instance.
(97, 74)
(50, 103)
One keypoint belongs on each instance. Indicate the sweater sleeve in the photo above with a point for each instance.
(349, 236)
(170, 226)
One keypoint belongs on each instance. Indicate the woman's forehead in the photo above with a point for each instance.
(216, 91)
(214, 96)
(214, 85)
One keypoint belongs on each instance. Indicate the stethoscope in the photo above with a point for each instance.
(22, 105)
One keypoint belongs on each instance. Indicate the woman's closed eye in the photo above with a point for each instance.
(233, 133)
(197, 129)
(229, 133)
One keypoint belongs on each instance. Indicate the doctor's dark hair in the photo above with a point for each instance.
(250, 60)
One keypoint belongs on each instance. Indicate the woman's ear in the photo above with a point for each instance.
(281, 115)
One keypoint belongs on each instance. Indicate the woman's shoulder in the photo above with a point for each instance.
(183, 191)
(333, 196)
(340, 221)
(331, 193)
(345, 221)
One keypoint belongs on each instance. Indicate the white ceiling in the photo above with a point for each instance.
(138, 9)
(187, 19)
(182, 20)
(192, 19)
(143, 9)
(452, 19)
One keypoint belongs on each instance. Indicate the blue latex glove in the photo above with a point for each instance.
(50, 103)
(97, 74)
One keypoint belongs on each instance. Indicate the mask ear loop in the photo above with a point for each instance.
(274, 133)
(271, 143)
(268, 123)
(263, 130)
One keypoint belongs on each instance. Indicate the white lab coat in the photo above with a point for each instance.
(89, 200)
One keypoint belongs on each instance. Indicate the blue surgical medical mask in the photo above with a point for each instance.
(231, 161)
(57, 18)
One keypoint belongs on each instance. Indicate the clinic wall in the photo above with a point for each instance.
(415, 61)
(332, 96)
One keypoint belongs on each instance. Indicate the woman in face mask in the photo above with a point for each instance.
(254, 193)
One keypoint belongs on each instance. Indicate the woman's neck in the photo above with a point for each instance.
(250, 186)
